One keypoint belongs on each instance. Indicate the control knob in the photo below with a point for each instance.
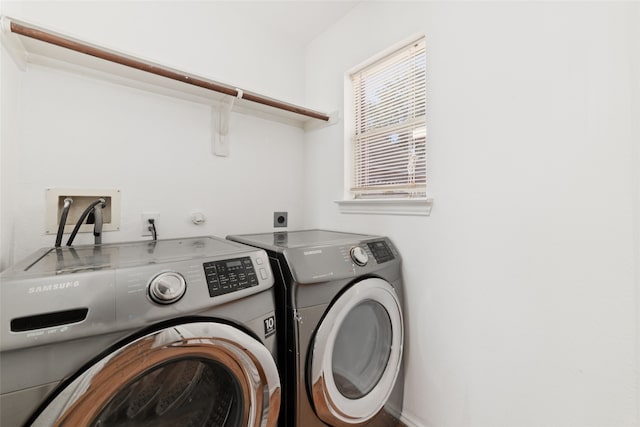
(359, 256)
(167, 287)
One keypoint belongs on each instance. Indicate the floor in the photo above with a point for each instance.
(384, 419)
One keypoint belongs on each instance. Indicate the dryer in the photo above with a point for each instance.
(155, 333)
(339, 305)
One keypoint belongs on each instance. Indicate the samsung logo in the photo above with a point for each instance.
(315, 252)
(53, 287)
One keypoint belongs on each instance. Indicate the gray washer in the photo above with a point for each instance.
(130, 333)
(340, 321)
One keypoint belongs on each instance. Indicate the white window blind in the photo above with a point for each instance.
(389, 139)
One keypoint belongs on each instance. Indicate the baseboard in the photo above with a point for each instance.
(409, 421)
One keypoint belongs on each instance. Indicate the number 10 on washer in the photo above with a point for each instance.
(269, 326)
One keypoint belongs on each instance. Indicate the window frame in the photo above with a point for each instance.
(383, 205)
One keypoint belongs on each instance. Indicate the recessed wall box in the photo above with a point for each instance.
(81, 200)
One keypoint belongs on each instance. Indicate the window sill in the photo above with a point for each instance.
(419, 207)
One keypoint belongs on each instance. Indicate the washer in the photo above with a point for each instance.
(164, 333)
(340, 305)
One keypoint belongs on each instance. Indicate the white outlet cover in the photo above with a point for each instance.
(144, 223)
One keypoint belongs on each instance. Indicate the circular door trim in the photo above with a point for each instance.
(244, 356)
(331, 406)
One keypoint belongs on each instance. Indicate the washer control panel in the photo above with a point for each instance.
(229, 275)
(91, 290)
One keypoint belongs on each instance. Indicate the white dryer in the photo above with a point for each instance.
(341, 331)
(158, 333)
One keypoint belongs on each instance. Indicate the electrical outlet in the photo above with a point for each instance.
(146, 216)
(280, 219)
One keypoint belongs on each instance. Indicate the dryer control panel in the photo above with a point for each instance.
(381, 251)
(316, 264)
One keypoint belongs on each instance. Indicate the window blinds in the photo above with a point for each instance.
(389, 142)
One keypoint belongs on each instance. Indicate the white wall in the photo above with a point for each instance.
(521, 285)
(77, 132)
(11, 86)
(634, 18)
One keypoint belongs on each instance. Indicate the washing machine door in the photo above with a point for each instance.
(357, 352)
(193, 374)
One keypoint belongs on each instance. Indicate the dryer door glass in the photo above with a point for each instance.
(193, 374)
(361, 350)
(356, 354)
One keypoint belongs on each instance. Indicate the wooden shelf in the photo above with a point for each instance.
(32, 44)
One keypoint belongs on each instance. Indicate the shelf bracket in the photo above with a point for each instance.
(13, 45)
(221, 136)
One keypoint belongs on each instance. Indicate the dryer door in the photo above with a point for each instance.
(193, 374)
(357, 352)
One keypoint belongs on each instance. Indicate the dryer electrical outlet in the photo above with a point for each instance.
(280, 219)
(82, 198)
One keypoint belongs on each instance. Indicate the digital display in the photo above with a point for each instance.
(234, 264)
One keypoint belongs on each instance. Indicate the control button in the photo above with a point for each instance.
(263, 274)
(259, 261)
(167, 287)
(359, 256)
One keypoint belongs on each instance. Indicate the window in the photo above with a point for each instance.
(389, 126)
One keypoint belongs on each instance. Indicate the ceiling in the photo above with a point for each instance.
(296, 20)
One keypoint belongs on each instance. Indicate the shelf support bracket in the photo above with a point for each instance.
(12, 43)
(221, 137)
